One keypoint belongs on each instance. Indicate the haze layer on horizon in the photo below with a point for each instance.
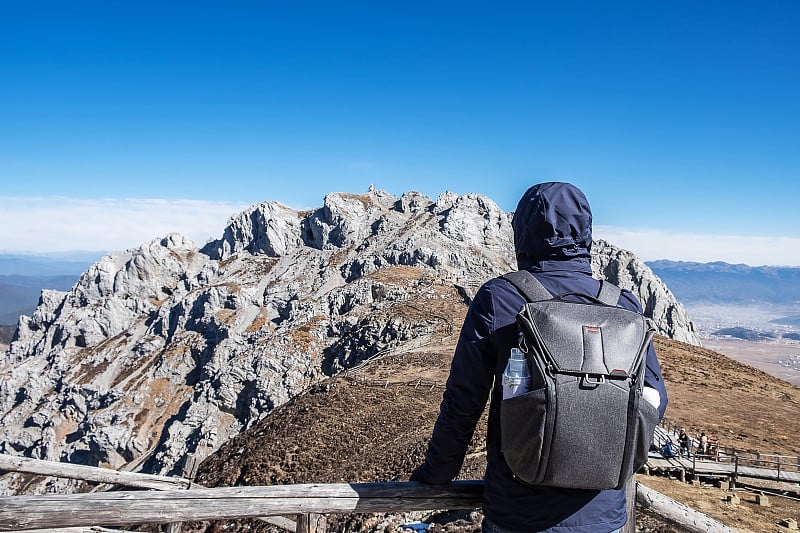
(62, 225)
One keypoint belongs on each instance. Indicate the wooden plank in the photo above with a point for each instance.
(13, 463)
(686, 517)
(88, 529)
(280, 521)
(116, 508)
(630, 506)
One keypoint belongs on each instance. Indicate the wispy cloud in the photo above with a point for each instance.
(658, 244)
(57, 224)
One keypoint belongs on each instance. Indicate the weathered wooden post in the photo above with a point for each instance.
(630, 504)
(311, 523)
(190, 464)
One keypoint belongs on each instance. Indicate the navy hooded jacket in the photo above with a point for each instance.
(552, 239)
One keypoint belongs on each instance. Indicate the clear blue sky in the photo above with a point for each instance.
(676, 117)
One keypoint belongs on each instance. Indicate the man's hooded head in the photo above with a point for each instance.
(553, 221)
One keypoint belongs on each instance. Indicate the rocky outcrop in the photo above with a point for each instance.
(166, 349)
(268, 228)
(622, 268)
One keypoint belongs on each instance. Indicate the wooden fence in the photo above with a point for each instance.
(781, 464)
(13, 463)
(137, 507)
(309, 502)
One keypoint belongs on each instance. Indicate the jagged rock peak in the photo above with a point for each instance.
(269, 228)
(409, 230)
(165, 349)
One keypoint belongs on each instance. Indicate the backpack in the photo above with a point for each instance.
(583, 424)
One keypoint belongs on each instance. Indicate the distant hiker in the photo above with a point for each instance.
(712, 447)
(703, 447)
(685, 443)
(552, 238)
(668, 450)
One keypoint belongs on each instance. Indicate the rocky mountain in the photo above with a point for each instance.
(168, 349)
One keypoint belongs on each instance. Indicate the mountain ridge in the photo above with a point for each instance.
(720, 282)
(167, 349)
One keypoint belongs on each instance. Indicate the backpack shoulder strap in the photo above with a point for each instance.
(609, 293)
(528, 285)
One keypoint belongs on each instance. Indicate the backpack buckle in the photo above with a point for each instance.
(593, 380)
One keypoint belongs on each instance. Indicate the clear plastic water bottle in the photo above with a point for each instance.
(516, 376)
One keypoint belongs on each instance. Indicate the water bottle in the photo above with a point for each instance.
(516, 376)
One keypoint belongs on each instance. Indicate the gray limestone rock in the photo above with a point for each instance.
(165, 349)
(622, 268)
(268, 228)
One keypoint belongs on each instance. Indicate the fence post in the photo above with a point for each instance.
(190, 464)
(630, 506)
(311, 523)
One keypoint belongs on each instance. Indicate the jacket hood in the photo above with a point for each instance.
(553, 222)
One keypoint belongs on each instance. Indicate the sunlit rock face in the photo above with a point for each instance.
(168, 349)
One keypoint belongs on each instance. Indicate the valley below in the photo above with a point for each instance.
(779, 359)
(760, 335)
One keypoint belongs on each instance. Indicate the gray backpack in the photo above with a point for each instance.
(583, 424)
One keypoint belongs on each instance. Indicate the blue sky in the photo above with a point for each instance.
(680, 120)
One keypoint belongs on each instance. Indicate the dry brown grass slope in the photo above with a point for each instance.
(373, 425)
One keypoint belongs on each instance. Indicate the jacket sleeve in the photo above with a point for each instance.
(468, 387)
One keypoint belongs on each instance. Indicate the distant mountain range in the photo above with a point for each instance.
(22, 278)
(55, 264)
(723, 283)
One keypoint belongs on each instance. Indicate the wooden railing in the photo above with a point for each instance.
(25, 465)
(158, 507)
(749, 457)
(309, 502)
(13, 463)
(778, 464)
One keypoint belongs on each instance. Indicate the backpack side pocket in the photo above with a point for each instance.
(643, 419)
(646, 424)
(522, 427)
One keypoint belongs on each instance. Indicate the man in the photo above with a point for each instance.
(552, 238)
(685, 443)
